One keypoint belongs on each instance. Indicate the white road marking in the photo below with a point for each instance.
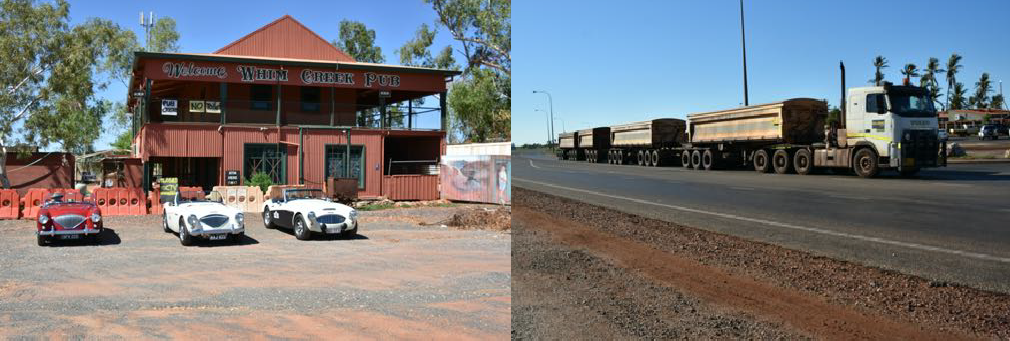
(878, 240)
(532, 165)
(742, 188)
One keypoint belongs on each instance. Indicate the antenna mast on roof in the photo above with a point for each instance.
(147, 28)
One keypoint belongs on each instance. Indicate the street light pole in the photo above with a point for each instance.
(550, 101)
(743, 42)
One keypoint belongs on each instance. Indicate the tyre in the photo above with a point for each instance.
(907, 173)
(648, 158)
(184, 237)
(351, 233)
(696, 159)
(640, 159)
(41, 240)
(267, 220)
(782, 162)
(236, 238)
(761, 162)
(803, 162)
(164, 223)
(620, 157)
(301, 230)
(707, 160)
(865, 163)
(685, 158)
(655, 158)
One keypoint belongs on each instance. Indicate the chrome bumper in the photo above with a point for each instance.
(333, 228)
(85, 231)
(206, 232)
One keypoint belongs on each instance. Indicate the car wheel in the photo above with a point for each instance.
(184, 237)
(301, 231)
(41, 240)
(236, 238)
(164, 225)
(351, 233)
(267, 222)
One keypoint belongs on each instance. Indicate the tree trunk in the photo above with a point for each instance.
(4, 182)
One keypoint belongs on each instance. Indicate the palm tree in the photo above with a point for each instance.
(957, 100)
(880, 63)
(910, 71)
(982, 89)
(929, 79)
(953, 66)
(997, 102)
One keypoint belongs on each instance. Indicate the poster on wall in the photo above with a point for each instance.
(195, 106)
(169, 107)
(482, 178)
(213, 107)
(169, 187)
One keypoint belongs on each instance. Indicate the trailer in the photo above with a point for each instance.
(648, 143)
(594, 143)
(568, 144)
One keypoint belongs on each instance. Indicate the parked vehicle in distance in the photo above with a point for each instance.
(941, 134)
(307, 211)
(987, 131)
(67, 219)
(195, 215)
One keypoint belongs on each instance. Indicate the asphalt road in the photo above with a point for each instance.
(949, 224)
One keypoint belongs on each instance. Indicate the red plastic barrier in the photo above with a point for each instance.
(155, 199)
(10, 204)
(136, 202)
(32, 201)
(106, 200)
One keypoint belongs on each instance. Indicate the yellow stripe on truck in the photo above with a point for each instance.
(871, 136)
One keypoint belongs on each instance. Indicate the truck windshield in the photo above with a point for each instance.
(912, 105)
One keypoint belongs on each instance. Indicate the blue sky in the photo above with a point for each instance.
(205, 26)
(607, 62)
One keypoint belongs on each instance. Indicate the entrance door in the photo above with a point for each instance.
(267, 158)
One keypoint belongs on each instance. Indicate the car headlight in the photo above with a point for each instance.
(240, 219)
(43, 219)
(95, 217)
(312, 217)
(193, 222)
(353, 215)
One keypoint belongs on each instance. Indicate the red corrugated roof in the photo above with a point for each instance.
(285, 38)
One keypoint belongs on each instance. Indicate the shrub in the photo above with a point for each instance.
(260, 179)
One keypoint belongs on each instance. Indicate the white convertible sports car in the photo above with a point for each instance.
(194, 215)
(307, 211)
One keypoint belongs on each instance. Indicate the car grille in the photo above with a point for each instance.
(330, 219)
(214, 220)
(69, 221)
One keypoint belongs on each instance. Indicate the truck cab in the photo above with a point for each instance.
(897, 122)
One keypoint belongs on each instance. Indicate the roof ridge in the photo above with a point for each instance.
(275, 22)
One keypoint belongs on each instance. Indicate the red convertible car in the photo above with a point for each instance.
(59, 219)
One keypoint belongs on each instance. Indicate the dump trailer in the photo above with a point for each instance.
(568, 144)
(880, 127)
(648, 143)
(594, 143)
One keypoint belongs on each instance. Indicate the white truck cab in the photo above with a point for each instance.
(898, 122)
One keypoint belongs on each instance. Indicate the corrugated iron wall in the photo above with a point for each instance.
(410, 187)
(315, 153)
(285, 38)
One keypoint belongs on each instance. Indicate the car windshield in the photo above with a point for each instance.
(198, 196)
(294, 194)
(912, 105)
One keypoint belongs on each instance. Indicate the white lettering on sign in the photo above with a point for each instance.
(327, 77)
(382, 80)
(176, 70)
(252, 73)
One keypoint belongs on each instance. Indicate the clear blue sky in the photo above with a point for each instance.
(609, 62)
(205, 26)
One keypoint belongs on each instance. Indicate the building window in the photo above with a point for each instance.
(335, 163)
(310, 99)
(267, 158)
(262, 96)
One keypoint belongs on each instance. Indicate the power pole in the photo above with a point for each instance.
(743, 42)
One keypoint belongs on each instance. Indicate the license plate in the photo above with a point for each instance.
(218, 236)
(70, 236)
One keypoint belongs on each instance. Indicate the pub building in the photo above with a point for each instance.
(285, 102)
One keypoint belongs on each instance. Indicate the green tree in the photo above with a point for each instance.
(123, 141)
(953, 67)
(997, 102)
(982, 89)
(164, 37)
(909, 71)
(358, 40)
(880, 63)
(480, 100)
(417, 52)
(49, 76)
(928, 79)
(957, 97)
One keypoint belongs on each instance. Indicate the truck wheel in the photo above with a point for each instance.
(761, 162)
(640, 159)
(696, 159)
(802, 162)
(611, 158)
(865, 163)
(620, 157)
(707, 160)
(781, 162)
(655, 158)
(685, 158)
(648, 158)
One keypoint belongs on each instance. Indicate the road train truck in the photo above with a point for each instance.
(648, 143)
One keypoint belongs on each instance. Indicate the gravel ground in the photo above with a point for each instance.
(395, 280)
(907, 301)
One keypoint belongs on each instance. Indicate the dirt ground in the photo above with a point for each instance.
(395, 280)
(582, 271)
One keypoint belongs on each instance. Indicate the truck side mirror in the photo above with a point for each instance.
(881, 104)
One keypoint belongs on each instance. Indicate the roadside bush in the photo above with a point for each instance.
(261, 180)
